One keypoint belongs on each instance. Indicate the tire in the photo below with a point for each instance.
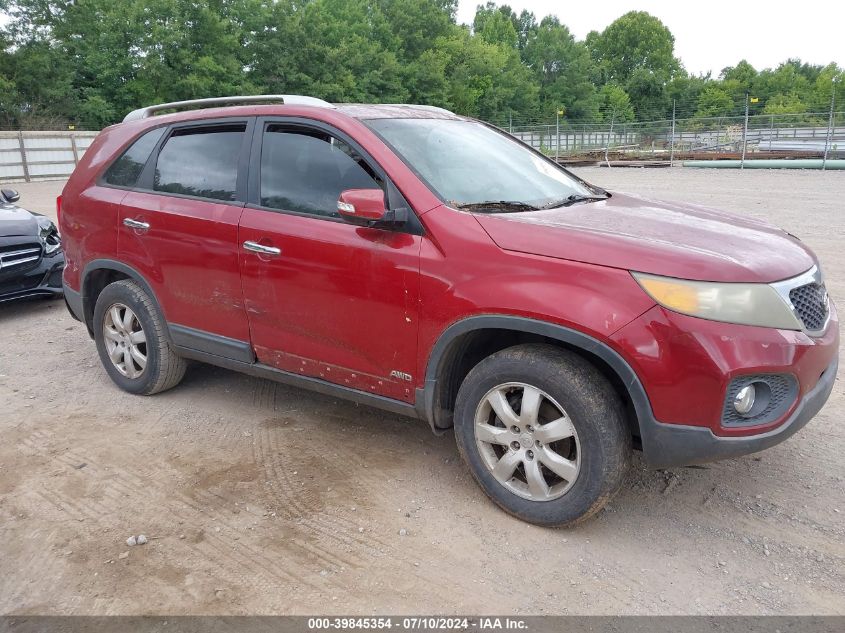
(124, 315)
(576, 464)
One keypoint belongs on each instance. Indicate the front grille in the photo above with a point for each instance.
(811, 306)
(19, 257)
(775, 394)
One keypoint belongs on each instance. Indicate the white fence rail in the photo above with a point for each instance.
(32, 156)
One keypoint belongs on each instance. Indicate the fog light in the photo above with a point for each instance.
(744, 400)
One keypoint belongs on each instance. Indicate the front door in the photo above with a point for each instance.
(326, 299)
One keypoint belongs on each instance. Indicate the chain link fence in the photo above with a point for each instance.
(39, 155)
(809, 135)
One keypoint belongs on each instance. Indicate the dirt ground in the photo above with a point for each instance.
(263, 499)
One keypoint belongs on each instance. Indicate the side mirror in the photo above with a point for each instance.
(10, 195)
(362, 206)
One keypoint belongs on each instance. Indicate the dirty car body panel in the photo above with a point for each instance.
(381, 314)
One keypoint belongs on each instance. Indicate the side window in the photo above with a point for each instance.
(125, 170)
(201, 162)
(306, 170)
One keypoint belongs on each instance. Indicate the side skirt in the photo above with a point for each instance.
(305, 382)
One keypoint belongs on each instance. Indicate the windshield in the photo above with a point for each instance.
(467, 164)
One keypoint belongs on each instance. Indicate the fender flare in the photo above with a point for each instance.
(426, 405)
(110, 264)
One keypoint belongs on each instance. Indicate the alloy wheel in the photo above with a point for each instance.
(527, 441)
(126, 342)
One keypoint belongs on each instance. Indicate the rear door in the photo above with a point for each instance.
(179, 229)
(335, 301)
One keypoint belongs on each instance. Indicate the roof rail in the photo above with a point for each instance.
(143, 113)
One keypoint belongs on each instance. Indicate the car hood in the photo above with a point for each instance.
(663, 238)
(17, 221)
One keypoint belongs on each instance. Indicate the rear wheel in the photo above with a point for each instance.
(543, 433)
(131, 340)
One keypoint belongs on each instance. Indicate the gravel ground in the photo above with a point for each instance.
(260, 498)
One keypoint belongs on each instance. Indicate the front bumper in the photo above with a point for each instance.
(666, 445)
(685, 366)
(44, 280)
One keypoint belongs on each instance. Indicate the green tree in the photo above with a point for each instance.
(485, 80)
(90, 61)
(789, 103)
(829, 77)
(346, 53)
(634, 42)
(649, 96)
(416, 24)
(39, 78)
(714, 101)
(684, 90)
(636, 51)
(615, 104)
(563, 69)
(495, 25)
(789, 77)
(743, 73)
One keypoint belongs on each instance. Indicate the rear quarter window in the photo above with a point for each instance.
(125, 170)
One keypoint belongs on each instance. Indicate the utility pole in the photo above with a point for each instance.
(744, 134)
(829, 136)
(672, 142)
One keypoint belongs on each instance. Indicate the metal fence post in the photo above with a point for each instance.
(23, 157)
(609, 137)
(672, 142)
(75, 149)
(557, 135)
(771, 131)
(744, 134)
(829, 136)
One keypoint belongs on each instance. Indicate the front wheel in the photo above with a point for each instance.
(543, 433)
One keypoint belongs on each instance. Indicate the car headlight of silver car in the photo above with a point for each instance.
(49, 235)
(742, 303)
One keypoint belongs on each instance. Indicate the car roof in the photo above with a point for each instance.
(359, 111)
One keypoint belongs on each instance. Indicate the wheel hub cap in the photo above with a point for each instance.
(526, 440)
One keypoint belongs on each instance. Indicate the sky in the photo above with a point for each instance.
(712, 35)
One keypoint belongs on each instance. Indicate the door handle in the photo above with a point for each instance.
(136, 224)
(255, 247)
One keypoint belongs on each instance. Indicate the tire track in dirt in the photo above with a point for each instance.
(121, 488)
(42, 562)
(306, 509)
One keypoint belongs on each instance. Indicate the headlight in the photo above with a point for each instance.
(49, 235)
(743, 303)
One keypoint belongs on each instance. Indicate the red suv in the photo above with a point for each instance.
(429, 264)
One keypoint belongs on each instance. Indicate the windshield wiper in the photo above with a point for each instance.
(573, 199)
(497, 206)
